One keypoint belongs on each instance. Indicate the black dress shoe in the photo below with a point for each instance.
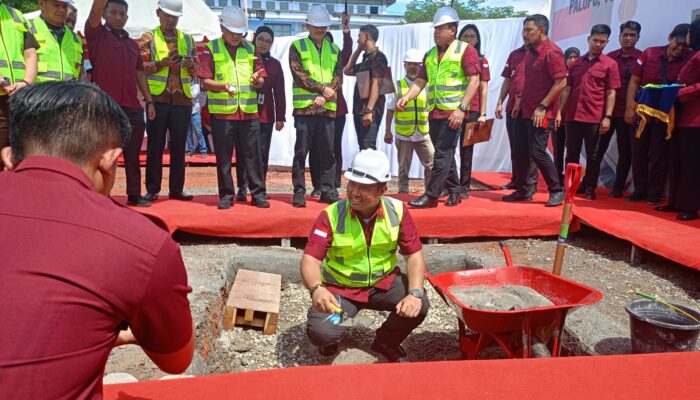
(517, 196)
(241, 197)
(590, 193)
(137, 201)
(299, 200)
(329, 350)
(225, 203)
(328, 198)
(616, 193)
(464, 194)
(453, 199)
(687, 216)
(444, 193)
(509, 186)
(267, 196)
(424, 201)
(316, 193)
(555, 199)
(666, 208)
(183, 196)
(260, 202)
(635, 198)
(652, 201)
(393, 352)
(151, 197)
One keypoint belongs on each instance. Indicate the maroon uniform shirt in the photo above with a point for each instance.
(115, 59)
(543, 65)
(649, 66)
(515, 74)
(589, 80)
(484, 76)
(625, 65)
(76, 268)
(470, 66)
(206, 71)
(689, 110)
(321, 238)
(274, 107)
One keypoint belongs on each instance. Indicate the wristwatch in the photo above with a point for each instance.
(313, 289)
(463, 108)
(542, 106)
(416, 293)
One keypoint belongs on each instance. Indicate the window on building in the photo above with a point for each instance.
(282, 5)
(257, 5)
(211, 3)
(330, 8)
(361, 9)
(374, 10)
(304, 6)
(281, 29)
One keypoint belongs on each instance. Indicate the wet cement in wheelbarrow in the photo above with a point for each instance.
(504, 298)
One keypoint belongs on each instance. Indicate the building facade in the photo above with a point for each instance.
(287, 18)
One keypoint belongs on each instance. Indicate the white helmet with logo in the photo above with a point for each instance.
(318, 16)
(413, 56)
(234, 20)
(445, 15)
(369, 167)
(171, 7)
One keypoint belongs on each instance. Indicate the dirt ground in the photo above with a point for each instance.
(593, 258)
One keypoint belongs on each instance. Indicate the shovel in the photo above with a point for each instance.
(572, 179)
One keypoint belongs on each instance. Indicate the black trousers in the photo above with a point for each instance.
(559, 142)
(243, 136)
(650, 162)
(315, 163)
(367, 135)
(314, 131)
(538, 138)
(176, 120)
(264, 141)
(132, 164)
(393, 331)
(444, 174)
(466, 156)
(525, 172)
(578, 133)
(623, 133)
(684, 169)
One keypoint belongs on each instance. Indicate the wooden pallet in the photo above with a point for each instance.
(254, 301)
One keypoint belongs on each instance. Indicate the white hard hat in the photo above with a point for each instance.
(318, 16)
(413, 56)
(445, 15)
(233, 19)
(369, 167)
(171, 7)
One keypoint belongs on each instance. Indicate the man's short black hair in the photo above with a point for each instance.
(70, 120)
(371, 30)
(600, 29)
(120, 2)
(540, 21)
(633, 25)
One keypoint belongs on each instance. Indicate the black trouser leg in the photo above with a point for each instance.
(583, 132)
(687, 197)
(623, 132)
(315, 163)
(367, 135)
(324, 133)
(223, 133)
(248, 151)
(180, 118)
(538, 138)
(444, 174)
(320, 331)
(466, 156)
(674, 167)
(132, 163)
(241, 174)
(601, 149)
(157, 130)
(339, 128)
(522, 162)
(658, 161)
(511, 141)
(559, 140)
(265, 141)
(640, 162)
(309, 130)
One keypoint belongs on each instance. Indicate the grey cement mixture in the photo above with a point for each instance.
(504, 298)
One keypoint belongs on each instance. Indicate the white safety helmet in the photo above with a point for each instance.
(369, 167)
(413, 56)
(171, 7)
(64, 1)
(318, 16)
(234, 20)
(445, 15)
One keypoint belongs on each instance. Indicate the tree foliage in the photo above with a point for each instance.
(423, 10)
(24, 6)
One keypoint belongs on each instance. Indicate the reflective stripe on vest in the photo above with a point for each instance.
(56, 62)
(446, 80)
(349, 262)
(415, 115)
(13, 26)
(318, 68)
(236, 74)
(158, 80)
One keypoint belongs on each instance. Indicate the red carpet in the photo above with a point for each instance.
(484, 214)
(665, 376)
(638, 223)
(210, 159)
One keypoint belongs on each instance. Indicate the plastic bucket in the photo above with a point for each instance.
(657, 328)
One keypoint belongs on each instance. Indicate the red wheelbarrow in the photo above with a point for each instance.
(517, 331)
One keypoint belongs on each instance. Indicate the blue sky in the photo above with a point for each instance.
(532, 6)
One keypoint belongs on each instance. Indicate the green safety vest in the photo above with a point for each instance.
(56, 62)
(414, 115)
(13, 26)
(349, 262)
(158, 80)
(319, 68)
(446, 80)
(236, 73)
